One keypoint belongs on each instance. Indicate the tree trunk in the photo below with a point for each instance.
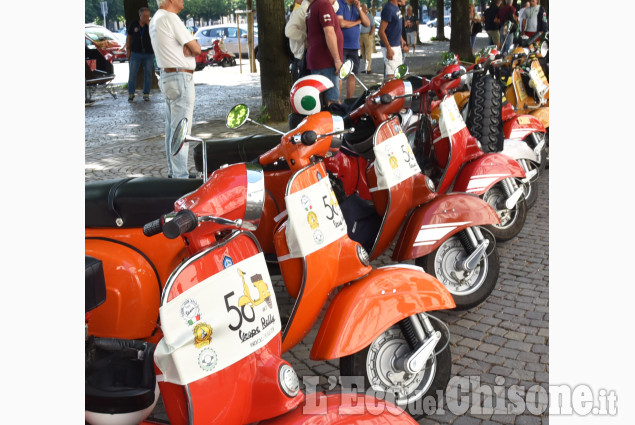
(275, 79)
(440, 21)
(460, 38)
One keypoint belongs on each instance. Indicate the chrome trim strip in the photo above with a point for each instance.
(255, 196)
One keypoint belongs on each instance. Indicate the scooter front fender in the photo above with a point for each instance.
(344, 409)
(521, 126)
(367, 307)
(519, 149)
(478, 176)
(430, 225)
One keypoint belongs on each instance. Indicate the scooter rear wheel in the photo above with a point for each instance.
(467, 289)
(376, 364)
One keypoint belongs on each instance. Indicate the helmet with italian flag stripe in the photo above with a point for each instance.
(307, 94)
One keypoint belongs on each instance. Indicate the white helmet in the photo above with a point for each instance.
(307, 94)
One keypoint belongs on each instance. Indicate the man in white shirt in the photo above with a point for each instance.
(295, 30)
(175, 49)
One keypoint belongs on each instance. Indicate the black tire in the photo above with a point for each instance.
(441, 263)
(512, 221)
(225, 63)
(485, 113)
(355, 365)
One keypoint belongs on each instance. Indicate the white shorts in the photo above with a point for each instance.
(397, 59)
(411, 38)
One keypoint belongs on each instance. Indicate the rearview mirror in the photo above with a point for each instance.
(346, 69)
(178, 137)
(401, 71)
(237, 116)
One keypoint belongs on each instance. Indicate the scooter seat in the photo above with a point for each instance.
(95, 284)
(234, 150)
(133, 202)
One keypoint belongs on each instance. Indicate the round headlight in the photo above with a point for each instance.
(544, 49)
(430, 184)
(363, 255)
(288, 380)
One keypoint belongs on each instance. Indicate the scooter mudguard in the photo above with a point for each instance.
(242, 367)
(522, 126)
(519, 149)
(430, 225)
(343, 409)
(364, 309)
(134, 273)
(480, 174)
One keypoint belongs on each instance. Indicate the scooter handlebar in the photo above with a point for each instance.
(183, 222)
(153, 228)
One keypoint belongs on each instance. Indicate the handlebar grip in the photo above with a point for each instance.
(385, 99)
(184, 221)
(153, 228)
(308, 138)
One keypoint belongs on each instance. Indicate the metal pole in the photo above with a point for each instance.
(240, 55)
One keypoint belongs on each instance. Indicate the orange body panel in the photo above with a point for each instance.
(542, 114)
(135, 268)
(319, 273)
(369, 306)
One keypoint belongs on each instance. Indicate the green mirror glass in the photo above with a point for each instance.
(401, 71)
(237, 116)
(178, 137)
(346, 69)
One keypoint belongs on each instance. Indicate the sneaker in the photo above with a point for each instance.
(130, 97)
(368, 72)
(146, 97)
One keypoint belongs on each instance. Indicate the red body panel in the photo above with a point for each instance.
(214, 399)
(431, 224)
(481, 174)
(520, 126)
(343, 409)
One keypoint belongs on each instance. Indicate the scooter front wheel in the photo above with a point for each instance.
(512, 220)
(468, 288)
(379, 365)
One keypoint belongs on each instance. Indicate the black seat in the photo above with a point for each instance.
(135, 201)
(234, 150)
(95, 283)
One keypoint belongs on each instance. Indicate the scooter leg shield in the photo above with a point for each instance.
(367, 307)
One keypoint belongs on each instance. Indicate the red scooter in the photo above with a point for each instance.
(219, 360)
(215, 55)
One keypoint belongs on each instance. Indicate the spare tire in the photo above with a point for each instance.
(485, 114)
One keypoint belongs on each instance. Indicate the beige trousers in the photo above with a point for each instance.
(366, 42)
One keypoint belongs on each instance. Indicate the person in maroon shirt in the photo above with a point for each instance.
(325, 44)
(505, 14)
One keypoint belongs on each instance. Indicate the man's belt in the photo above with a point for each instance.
(178, 70)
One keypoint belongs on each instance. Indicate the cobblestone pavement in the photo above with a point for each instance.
(503, 342)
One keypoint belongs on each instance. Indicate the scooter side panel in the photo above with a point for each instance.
(133, 289)
(433, 223)
(478, 176)
(522, 126)
(343, 409)
(366, 308)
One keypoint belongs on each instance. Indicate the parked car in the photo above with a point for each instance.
(433, 23)
(207, 35)
(106, 41)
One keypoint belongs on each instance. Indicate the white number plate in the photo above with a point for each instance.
(394, 161)
(451, 121)
(315, 219)
(217, 322)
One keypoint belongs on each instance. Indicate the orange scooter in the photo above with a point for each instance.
(376, 323)
(384, 307)
(219, 361)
